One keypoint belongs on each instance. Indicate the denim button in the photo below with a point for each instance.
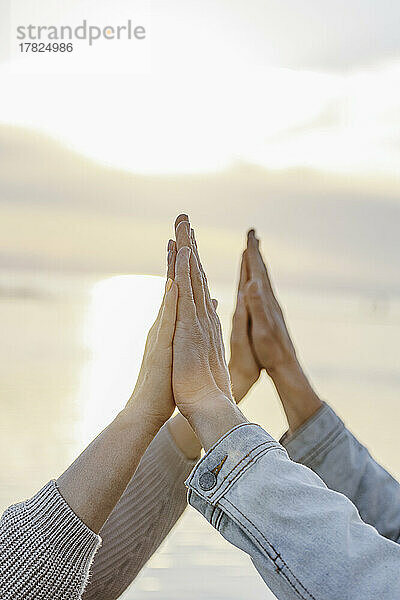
(207, 481)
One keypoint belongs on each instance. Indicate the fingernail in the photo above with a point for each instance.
(170, 244)
(168, 285)
(180, 218)
(251, 232)
(185, 225)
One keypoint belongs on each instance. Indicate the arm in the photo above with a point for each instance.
(148, 509)
(325, 445)
(306, 541)
(47, 543)
(35, 559)
(316, 436)
(130, 535)
(271, 341)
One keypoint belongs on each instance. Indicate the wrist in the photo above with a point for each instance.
(213, 417)
(137, 413)
(287, 370)
(241, 382)
(298, 397)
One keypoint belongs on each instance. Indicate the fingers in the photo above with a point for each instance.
(160, 310)
(198, 286)
(186, 305)
(182, 232)
(171, 259)
(185, 237)
(154, 328)
(168, 315)
(256, 269)
(240, 319)
(255, 263)
(195, 249)
(244, 276)
(179, 218)
(256, 306)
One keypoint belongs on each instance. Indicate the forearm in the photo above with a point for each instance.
(298, 398)
(305, 540)
(94, 482)
(327, 447)
(148, 509)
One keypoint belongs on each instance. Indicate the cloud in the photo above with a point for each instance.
(62, 211)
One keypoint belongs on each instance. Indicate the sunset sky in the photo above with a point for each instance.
(280, 114)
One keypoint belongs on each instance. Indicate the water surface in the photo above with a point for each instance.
(70, 350)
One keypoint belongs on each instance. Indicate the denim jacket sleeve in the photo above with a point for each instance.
(325, 445)
(306, 540)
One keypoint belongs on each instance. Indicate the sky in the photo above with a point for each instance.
(277, 83)
(280, 114)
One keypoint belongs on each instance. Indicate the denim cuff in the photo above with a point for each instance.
(315, 437)
(227, 460)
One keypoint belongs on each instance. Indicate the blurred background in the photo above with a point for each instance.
(283, 115)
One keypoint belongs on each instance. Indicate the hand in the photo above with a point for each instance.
(272, 345)
(153, 390)
(202, 369)
(94, 482)
(181, 431)
(243, 366)
(200, 375)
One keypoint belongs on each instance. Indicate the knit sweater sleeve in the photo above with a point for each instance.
(45, 549)
(152, 503)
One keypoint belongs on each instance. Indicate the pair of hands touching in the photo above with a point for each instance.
(259, 339)
(184, 362)
(184, 365)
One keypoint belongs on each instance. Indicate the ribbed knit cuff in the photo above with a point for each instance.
(59, 527)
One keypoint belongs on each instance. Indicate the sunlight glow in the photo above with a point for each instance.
(121, 312)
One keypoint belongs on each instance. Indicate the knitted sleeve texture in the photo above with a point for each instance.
(45, 549)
